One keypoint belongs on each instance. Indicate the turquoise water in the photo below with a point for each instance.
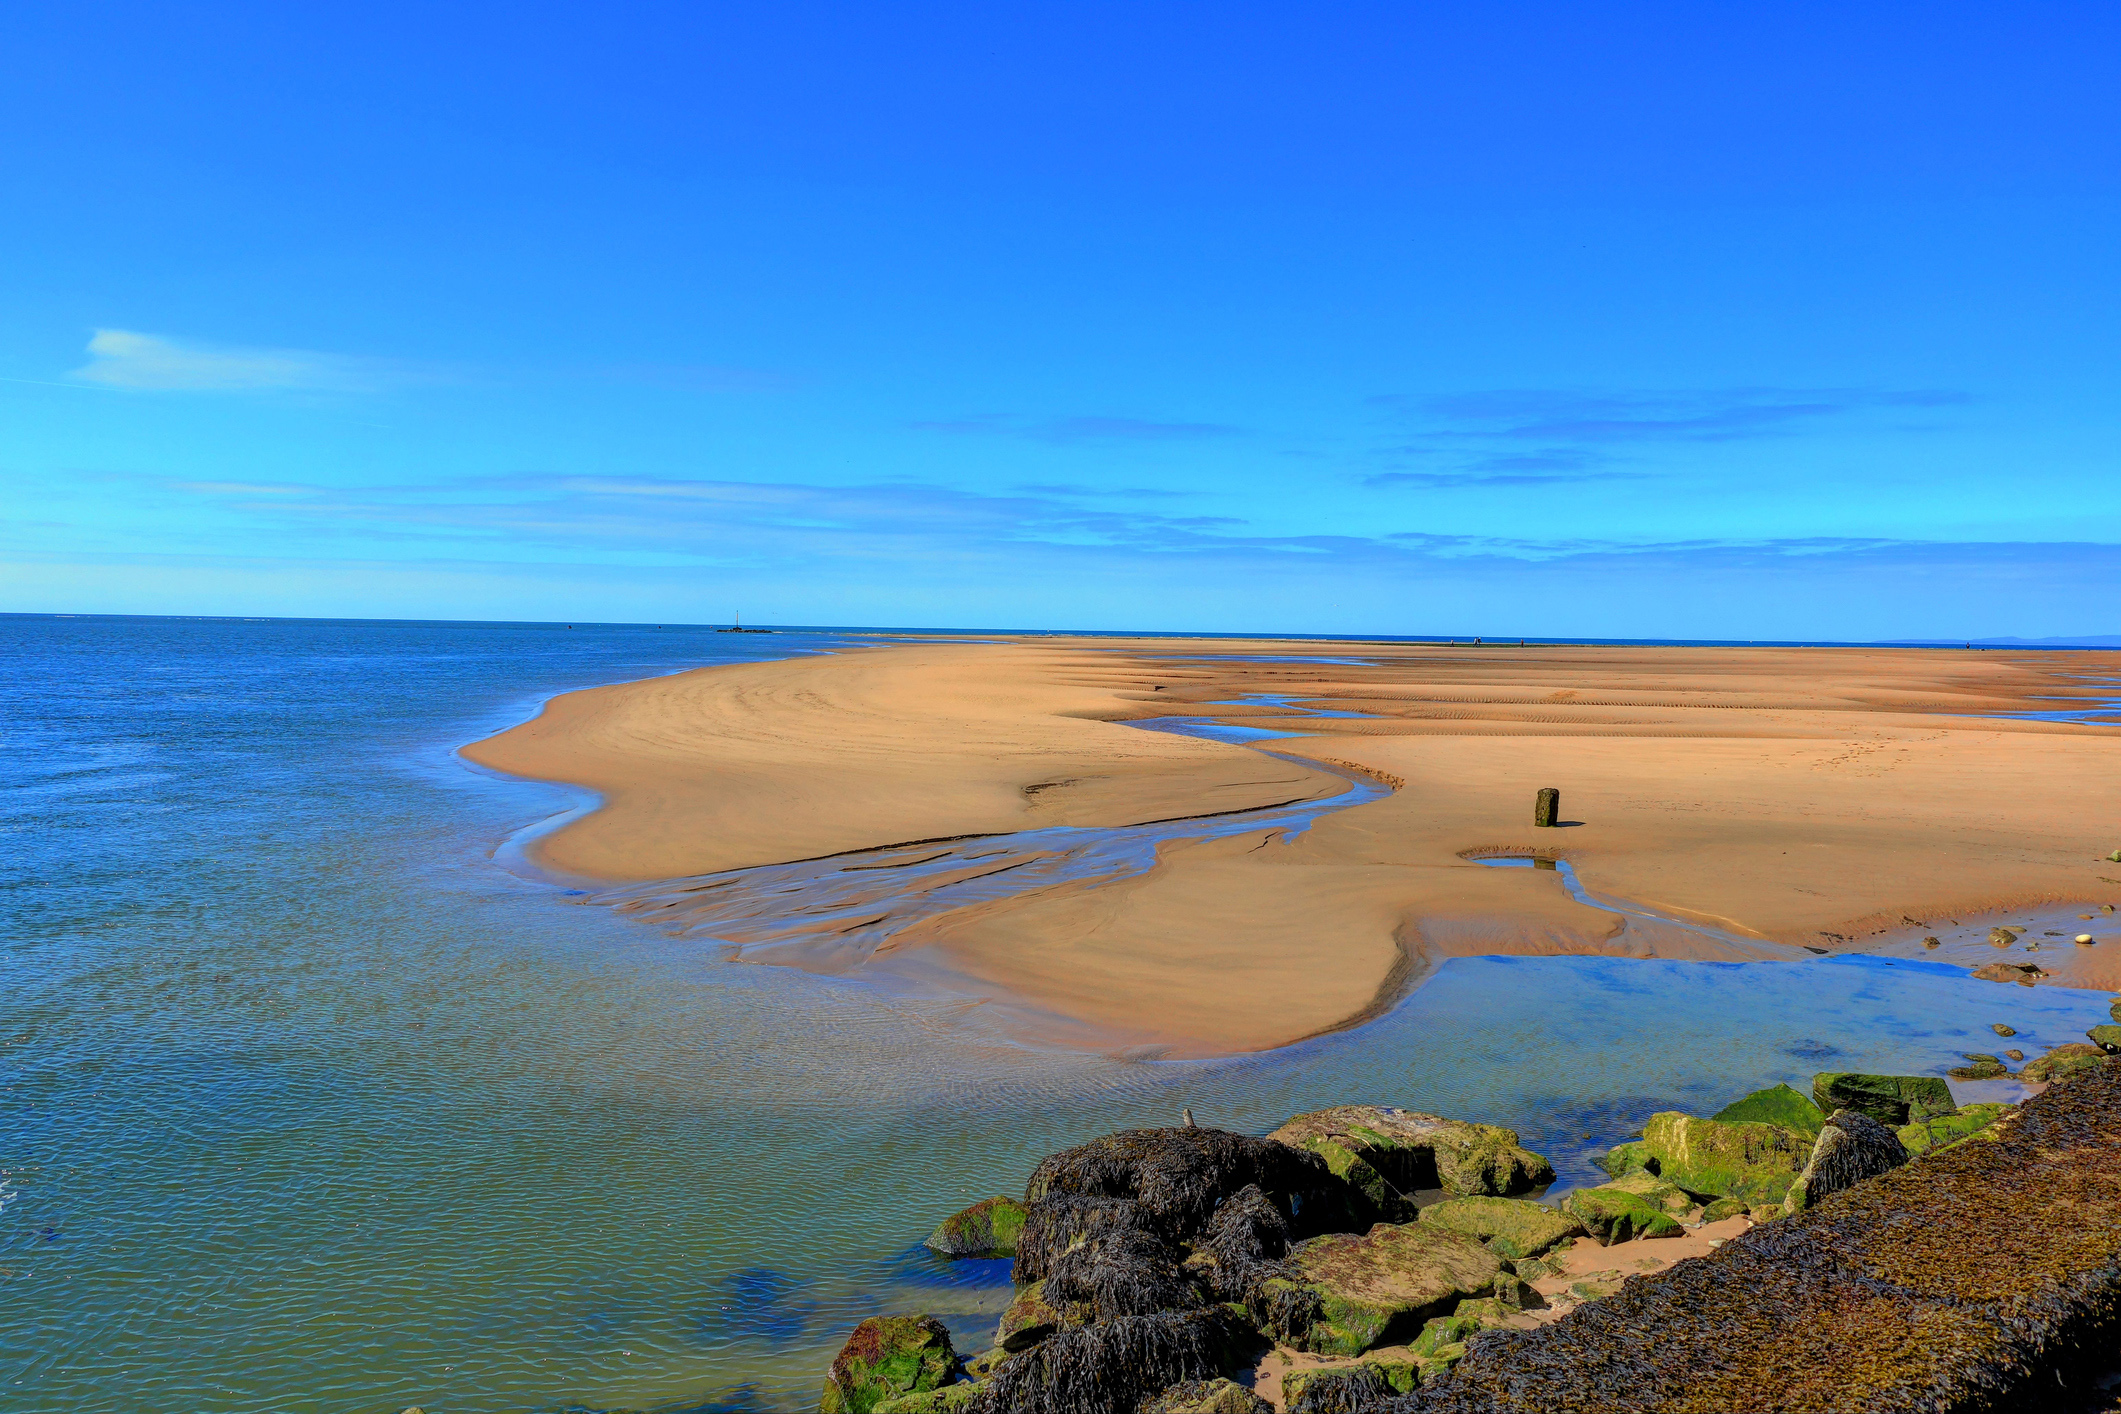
(312, 1105)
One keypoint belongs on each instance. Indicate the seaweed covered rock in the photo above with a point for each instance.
(1389, 1154)
(885, 1358)
(1207, 1397)
(1060, 1221)
(1342, 1294)
(1983, 1278)
(1124, 1272)
(1511, 1228)
(1851, 1148)
(1243, 1234)
(986, 1229)
(1778, 1104)
(1725, 1158)
(2064, 1062)
(1114, 1365)
(1179, 1177)
(1889, 1099)
(1929, 1135)
(1345, 1389)
(1615, 1215)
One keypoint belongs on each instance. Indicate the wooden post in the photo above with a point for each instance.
(1546, 811)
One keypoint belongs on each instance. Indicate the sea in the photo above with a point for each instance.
(312, 1098)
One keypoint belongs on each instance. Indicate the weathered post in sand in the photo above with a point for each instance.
(1547, 810)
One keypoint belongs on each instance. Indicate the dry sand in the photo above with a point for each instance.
(1828, 798)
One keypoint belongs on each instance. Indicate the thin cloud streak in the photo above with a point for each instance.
(153, 363)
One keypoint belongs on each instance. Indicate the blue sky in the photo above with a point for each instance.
(1630, 320)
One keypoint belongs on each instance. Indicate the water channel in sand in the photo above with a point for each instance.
(310, 1105)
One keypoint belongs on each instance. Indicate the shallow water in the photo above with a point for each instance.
(313, 1104)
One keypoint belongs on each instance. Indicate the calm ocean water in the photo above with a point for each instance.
(310, 1105)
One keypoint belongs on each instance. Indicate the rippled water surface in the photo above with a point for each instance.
(312, 1105)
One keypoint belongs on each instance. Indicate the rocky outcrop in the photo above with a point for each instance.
(1511, 1228)
(1890, 1099)
(2106, 1038)
(1116, 1364)
(1724, 1158)
(1343, 1294)
(888, 1357)
(1851, 1148)
(1178, 1177)
(1207, 1397)
(1929, 1135)
(1778, 1105)
(2064, 1062)
(1388, 1155)
(986, 1229)
(1612, 1215)
(2009, 972)
(1343, 1389)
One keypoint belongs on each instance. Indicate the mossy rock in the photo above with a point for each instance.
(1436, 1366)
(1890, 1099)
(950, 1399)
(986, 1229)
(1724, 1158)
(1206, 1397)
(1597, 1288)
(1723, 1208)
(1390, 1154)
(1631, 1157)
(1454, 1329)
(1980, 1066)
(886, 1358)
(2106, 1038)
(1344, 1387)
(1508, 1227)
(1363, 1292)
(1613, 1215)
(2064, 1061)
(1929, 1135)
(1657, 1192)
(1778, 1104)
(1028, 1320)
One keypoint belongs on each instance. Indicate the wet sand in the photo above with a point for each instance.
(1822, 798)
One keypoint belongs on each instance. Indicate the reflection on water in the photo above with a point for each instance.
(310, 1105)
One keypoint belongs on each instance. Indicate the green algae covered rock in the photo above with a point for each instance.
(1723, 1208)
(886, 1358)
(1778, 1104)
(1929, 1135)
(986, 1229)
(1508, 1227)
(1453, 1329)
(2064, 1061)
(1614, 1215)
(1391, 1154)
(1657, 1192)
(1347, 1294)
(1726, 1159)
(1631, 1157)
(2106, 1038)
(1890, 1099)
(1207, 1397)
(1980, 1065)
(950, 1399)
(1028, 1320)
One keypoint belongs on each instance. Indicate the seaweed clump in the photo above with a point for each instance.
(1987, 1277)
(1112, 1366)
(1180, 1176)
(1851, 1148)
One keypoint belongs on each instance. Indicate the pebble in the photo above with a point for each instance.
(2015, 1055)
(2084, 940)
(2001, 1030)
(1932, 942)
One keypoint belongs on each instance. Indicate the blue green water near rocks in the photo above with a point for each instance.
(307, 1104)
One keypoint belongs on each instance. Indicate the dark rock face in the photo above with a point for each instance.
(1852, 1148)
(1985, 1278)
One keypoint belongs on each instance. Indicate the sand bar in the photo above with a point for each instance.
(1824, 798)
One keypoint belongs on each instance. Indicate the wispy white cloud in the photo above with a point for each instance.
(124, 358)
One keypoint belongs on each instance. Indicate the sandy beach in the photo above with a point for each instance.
(1792, 798)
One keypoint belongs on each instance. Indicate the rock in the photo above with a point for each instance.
(2062, 1062)
(950, 1399)
(1851, 1148)
(1778, 1104)
(1723, 1208)
(2115, 1011)
(2001, 937)
(1116, 1364)
(2015, 1055)
(1597, 1286)
(2008, 972)
(1028, 1320)
(1933, 942)
(1207, 1397)
(2084, 940)
(1389, 1154)
(2106, 1038)
(986, 1229)
(982, 1365)
(1346, 1294)
(1656, 1191)
(1612, 1215)
(1980, 1067)
(1177, 1177)
(1508, 1227)
(1889, 1099)
(1345, 1389)
(2001, 1030)
(885, 1358)
(1631, 1157)
(1441, 1331)
(1726, 1159)
(1928, 1135)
